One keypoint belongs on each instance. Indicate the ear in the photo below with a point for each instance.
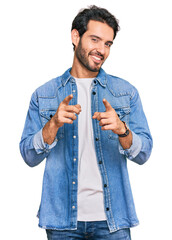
(75, 37)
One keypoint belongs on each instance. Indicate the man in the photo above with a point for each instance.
(86, 124)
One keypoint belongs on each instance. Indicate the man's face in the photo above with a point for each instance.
(94, 45)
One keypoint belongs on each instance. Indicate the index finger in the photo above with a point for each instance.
(67, 99)
(107, 104)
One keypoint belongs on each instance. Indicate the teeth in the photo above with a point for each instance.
(97, 58)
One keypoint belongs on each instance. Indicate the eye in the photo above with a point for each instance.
(108, 44)
(94, 39)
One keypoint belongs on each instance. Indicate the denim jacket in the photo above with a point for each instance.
(58, 208)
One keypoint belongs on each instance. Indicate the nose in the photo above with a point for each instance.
(101, 48)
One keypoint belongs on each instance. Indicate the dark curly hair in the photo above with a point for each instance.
(93, 12)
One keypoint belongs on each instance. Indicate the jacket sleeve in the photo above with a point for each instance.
(32, 147)
(142, 143)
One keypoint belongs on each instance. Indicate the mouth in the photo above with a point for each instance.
(96, 58)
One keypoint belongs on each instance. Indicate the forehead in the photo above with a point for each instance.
(100, 29)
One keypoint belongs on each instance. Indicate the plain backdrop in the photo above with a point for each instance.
(35, 46)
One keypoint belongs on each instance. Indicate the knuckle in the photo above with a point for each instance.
(60, 108)
(72, 108)
(101, 122)
(73, 117)
(60, 115)
(78, 111)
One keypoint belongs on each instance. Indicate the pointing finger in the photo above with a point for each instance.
(67, 99)
(107, 105)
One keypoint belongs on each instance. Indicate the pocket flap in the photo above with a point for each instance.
(122, 112)
(47, 114)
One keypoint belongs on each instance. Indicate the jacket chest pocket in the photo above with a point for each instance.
(123, 114)
(45, 116)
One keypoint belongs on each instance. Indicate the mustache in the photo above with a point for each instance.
(97, 54)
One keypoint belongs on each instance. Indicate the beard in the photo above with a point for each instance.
(83, 58)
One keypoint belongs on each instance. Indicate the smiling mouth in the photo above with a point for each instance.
(96, 58)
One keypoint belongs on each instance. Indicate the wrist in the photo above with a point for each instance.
(121, 129)
(49, 132)
(124, 131)
(53, 124)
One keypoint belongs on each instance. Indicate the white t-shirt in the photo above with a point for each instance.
(90, 190)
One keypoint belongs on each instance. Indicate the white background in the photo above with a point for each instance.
(35, 46)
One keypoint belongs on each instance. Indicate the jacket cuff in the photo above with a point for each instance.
(40, 146)
(135, 148)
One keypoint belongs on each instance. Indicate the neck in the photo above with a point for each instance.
(79, 71)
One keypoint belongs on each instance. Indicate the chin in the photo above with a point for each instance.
(94, 69)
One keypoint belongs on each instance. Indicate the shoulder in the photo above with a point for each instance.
(120, 86)
(49, 89)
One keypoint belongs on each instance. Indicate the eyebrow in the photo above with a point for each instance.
(111, 42)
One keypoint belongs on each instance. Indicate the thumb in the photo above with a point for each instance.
(67, 99)
(107, 104)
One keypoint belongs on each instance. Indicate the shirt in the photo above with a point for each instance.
(58, 207)
(90, 202)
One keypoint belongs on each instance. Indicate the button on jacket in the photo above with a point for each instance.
(58, 208)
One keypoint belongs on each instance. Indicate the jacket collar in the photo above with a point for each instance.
(101, 77)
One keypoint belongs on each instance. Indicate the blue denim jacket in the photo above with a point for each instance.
(58, 208)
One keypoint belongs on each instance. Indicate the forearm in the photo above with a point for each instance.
(49, 131)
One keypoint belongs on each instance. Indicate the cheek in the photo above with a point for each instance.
(89, 47)
(106, 54)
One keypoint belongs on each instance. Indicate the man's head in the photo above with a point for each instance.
(93, 32)
(80, 22)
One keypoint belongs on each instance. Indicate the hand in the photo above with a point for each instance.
(64, 114)
(109, 119)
